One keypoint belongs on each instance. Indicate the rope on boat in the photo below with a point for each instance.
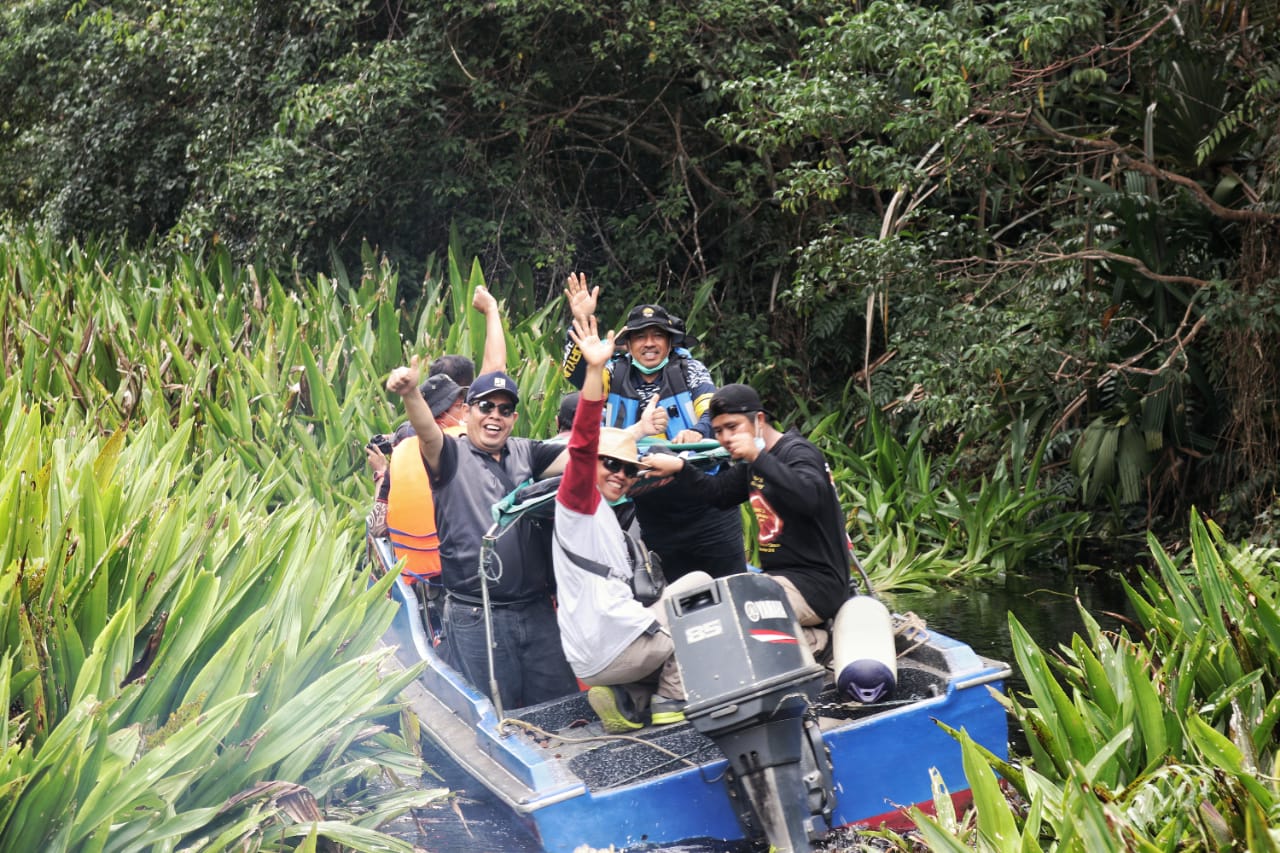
(538, 730)
(911, 627)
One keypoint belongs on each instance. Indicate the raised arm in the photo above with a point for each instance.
(404, 381)
(495, 339)
(582, 304)
(578, 490)
(596, 353)
(582, 299)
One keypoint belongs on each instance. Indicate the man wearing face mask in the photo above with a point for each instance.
(803, 542)
(655, 363)
(616, 644)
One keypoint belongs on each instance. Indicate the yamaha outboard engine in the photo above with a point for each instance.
(750, 678)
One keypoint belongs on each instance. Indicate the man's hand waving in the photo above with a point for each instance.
(582, 299)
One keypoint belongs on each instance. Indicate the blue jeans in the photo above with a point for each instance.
(528, 660)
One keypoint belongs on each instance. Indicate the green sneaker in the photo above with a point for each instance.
(665, 712)
(614, 708)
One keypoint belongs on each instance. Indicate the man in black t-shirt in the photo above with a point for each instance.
(803, 541)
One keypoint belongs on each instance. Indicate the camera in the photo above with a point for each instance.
(382, 442)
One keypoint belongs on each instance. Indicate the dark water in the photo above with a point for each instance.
(1044, 601)
(472, 821)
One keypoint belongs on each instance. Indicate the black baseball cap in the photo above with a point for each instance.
(736, 399)
(496, 382)
(440, 392)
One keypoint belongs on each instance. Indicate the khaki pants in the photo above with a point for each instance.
(648, 665)
(817, 638)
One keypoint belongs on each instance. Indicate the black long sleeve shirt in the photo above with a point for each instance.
(802, 532)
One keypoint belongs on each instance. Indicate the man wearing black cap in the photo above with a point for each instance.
(803, 542)
(657, 363)
(461, 370)
(469, 474)
(564, 416)
(410, 510)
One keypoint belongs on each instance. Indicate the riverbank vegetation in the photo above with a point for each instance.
(190, 656)
(977, 213)
(1160, 739)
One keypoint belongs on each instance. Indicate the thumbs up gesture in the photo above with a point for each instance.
(654, 418)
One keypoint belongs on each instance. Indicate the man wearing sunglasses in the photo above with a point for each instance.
(469, 474)
(620, 647)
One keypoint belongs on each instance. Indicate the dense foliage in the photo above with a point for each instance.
(188, 637)
(1058, 214)
(190, 653)
(1163, 740)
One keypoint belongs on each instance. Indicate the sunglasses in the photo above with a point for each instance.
(487, 406)
(629, 470)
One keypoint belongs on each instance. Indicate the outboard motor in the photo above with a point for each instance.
(750, 678)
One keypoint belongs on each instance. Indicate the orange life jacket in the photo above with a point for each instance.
(411, 513)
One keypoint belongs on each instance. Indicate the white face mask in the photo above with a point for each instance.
(759, 436)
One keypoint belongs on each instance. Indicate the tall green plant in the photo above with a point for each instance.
(1164, 742)
(920, 520)
(189, 658)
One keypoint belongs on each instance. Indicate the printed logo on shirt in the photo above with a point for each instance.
(767, 519)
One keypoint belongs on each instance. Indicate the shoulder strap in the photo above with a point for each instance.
(636, 553)
(673, 373)
(593, 566)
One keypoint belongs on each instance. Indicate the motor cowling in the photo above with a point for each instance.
(749, 678)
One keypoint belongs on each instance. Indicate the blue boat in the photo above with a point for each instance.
(572, 783)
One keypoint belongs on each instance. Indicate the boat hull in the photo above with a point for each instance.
(569, 794)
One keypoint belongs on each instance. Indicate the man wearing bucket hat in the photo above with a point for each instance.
(470, 473)
(616, 644)
(785, 479)
(656, 363)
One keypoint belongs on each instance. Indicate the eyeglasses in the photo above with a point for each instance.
(630, 470)
(487, 406)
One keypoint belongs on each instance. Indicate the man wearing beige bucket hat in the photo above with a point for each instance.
(614, 643)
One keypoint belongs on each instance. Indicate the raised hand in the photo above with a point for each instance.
(582, 300)
(483, 301)
(584, 332)
(404, 380)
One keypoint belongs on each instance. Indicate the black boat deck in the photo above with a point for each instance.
(602, 761)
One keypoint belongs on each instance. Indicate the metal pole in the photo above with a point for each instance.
(486, 551)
